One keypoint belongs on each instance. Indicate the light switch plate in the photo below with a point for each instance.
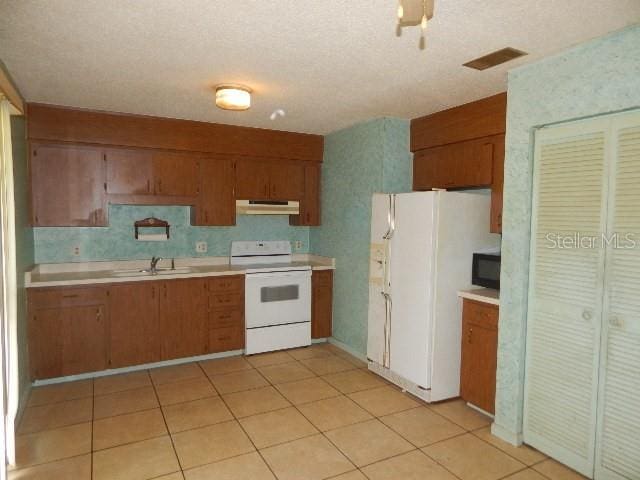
(201, 247)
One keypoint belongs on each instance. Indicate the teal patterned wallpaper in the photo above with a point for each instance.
(116, 242)
(358, 161)
(594, 78)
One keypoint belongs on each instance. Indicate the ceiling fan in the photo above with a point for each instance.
(412, 13)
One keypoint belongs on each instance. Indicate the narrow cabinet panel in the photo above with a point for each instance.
(183, 318)
(129, 172)
(216, 202)
(479, 354)
(497, 184)
(226, 313)
(321, 303)
(310, 203)
(67, 186)
(135, 329)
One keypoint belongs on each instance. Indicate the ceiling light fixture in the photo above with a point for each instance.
(412, 13)
(233, 97)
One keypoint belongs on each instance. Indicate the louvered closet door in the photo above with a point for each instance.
(618, 449)
(565, 293)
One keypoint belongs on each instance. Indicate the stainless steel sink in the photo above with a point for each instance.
(147, 273)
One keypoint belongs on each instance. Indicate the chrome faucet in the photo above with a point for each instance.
(154, 261)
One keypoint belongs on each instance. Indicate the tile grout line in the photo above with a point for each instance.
(243, 431)
(166, 425)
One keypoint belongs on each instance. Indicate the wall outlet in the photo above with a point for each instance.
(75, 250)
(201, 247)
(298, 245)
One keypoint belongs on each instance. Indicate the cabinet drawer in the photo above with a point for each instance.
(67, 297)
(226, 319)
(227, 300)
(226, 284)
(482, 314)
(225, 339)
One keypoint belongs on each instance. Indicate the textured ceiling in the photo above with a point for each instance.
(328, 64)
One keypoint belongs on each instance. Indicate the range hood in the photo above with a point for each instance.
(267, 207)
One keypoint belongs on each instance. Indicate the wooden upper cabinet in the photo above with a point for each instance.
(265, 179)
(67, 186)
(482, 118)
(252, 179)
(460, 165)
(216, 201)
(310, 203)
(497, 185)
(175, 174)
(129, 172)
(286, 181)
(183, 318)
(141, 172)
(134, 331)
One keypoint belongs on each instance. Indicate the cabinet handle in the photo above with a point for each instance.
(153, 292)
(148, 186)
(308, 216)
(470, 336)
(98, 314)
(75, 295)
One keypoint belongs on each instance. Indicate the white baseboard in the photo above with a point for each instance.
(506, 435)
(135, 368)
(347, 349)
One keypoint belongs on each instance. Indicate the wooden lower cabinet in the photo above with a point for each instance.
(134, 325)
(321, 303)
(67, 331)
(183, 318)
(74, 330)
(479, 354)
(226, 313)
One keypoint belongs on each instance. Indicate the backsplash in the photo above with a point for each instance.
(116, 242)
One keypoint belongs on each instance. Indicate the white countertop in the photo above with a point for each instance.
(86, 273)
(486, 295)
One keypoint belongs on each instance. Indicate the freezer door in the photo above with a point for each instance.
(378, 257)
(411, 286)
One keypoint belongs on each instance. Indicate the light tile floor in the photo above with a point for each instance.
(306, 414)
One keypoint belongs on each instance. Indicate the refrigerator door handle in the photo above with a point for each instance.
(386, 355)
(391, 218)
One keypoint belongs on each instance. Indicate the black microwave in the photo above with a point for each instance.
(485, 271)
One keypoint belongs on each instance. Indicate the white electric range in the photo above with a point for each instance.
(277, 296)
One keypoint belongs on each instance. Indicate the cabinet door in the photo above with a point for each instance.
(216, 202)
(434, 168)
(252, 179)
(67, 341)
(134, 330)
(129, 172)
(175, 174)
(286, 181)
(321, 303)
(310, 204)
(183, 318)
(67, 186)
(497, 184)
(474, 163)
(479, 355)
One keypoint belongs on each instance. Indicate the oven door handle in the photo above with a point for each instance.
(289, 274)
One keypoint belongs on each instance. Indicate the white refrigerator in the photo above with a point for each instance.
(422, 246)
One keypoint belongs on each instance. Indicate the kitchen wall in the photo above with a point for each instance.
(24, 240)
(116, 242)
(358, 161)
(597, 77)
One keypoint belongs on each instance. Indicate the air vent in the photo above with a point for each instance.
(495, 58)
